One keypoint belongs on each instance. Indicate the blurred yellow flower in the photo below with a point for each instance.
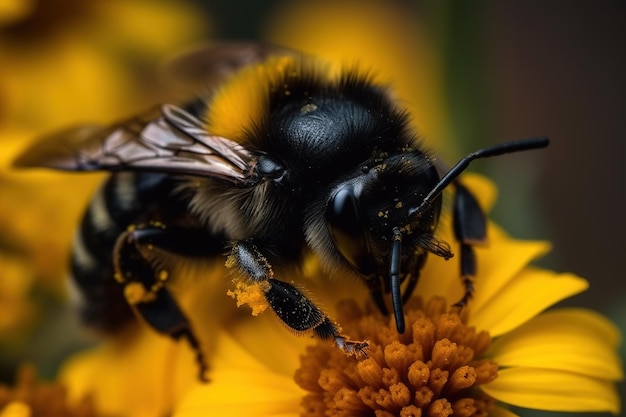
(562, 360)
(387, 38)
(16, 282)
(138, 373)
(31, 398)
(40, 212)
(67, 62)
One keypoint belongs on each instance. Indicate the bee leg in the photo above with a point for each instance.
(144, 278)
(299, 314)
(294, 309)
(470, 228)
(122, 199)
(163, 314)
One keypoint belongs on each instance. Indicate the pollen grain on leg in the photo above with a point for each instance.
(252, 294)
(432, 369)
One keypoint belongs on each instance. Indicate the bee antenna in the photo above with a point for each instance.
(394, 279)
(456, 170)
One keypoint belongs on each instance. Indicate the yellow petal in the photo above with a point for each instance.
(553, 390)
(530, 292)
(142, 374)
(241, 393)
(39, 209)
(151, 26)
(16, 286)
(251, 374)
(482, 188)
(16, 409)
(497, 264)
(265, 342)
(573, 340)
(500, 262)
(232, 353)
(80, 72)
(12, 11)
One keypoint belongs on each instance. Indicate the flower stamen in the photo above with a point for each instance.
(432, 369)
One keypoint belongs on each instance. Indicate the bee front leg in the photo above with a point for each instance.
(470, 228)
(144, 278)
(294, 309)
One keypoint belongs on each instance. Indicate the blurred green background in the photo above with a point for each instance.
(510, 70)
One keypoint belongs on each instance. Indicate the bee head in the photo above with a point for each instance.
(365, 213)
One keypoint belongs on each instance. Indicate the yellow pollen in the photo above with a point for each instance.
(118, 277)
(136, 293)
(432, 369)
(251, 294)
(307, 108)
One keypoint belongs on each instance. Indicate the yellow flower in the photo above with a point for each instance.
(31, 398)
(39, 212)
(386, 38)
(66, 62)
(502, 350)
(16, 282)
(140, 373)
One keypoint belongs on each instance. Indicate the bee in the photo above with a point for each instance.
(281, 158)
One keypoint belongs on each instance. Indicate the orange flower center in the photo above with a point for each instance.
(432, 369)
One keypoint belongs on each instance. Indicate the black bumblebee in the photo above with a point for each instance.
(283, 157)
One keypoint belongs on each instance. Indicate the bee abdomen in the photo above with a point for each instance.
(124, 199)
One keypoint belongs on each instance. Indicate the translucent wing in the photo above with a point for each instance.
(170, 141)
(208, 65)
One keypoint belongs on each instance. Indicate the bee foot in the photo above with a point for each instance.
(358, 349)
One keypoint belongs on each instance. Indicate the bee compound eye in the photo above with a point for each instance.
(347, 230)
(270, 168)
